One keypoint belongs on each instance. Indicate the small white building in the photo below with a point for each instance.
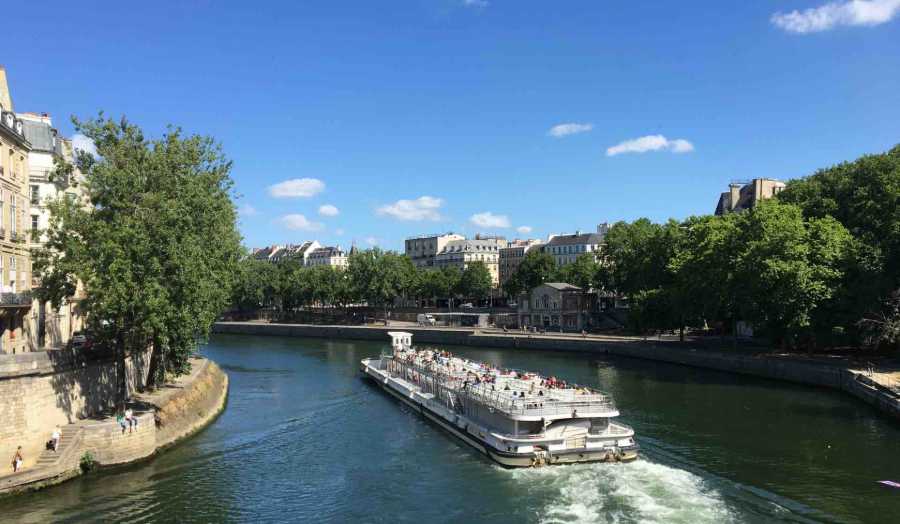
(327, 256)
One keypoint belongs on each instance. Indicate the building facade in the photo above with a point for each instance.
(513, 254)
(422, 250)
(328, 256)
(554, 306)
(566, 248)
(460, 253)
(745, 195)
(51, 327)
(15, 257)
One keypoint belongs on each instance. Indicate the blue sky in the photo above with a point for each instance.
(433, 115)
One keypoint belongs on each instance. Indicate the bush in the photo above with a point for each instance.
(88, 463)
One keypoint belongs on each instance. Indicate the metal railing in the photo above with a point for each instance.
(539, 406)
(451, 388)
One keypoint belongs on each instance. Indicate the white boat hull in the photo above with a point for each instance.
(459, 427)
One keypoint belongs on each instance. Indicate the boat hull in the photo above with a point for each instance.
(504, 458)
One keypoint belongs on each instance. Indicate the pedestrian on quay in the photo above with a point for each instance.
(131, 419)
(17, 460)
(120, 418)
(54, 437)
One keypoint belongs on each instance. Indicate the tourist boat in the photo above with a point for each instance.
(517, 419)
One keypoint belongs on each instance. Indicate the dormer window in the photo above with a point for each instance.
(19, 127)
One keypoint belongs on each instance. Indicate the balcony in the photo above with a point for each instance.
(2, 233)
(15, 299)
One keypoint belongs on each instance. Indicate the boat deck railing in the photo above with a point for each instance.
(446, 385)
(550, 404)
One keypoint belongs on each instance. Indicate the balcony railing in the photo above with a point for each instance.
(15, 299)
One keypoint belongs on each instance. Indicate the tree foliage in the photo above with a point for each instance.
(157, 249)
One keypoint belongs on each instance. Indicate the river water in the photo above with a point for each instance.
(304, 438)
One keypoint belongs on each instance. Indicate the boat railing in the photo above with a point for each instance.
(536, 405)
(446, 386)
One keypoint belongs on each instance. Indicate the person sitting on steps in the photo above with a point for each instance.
(17, 460)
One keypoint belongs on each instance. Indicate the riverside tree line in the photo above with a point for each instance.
(155, 248)
(817, 266)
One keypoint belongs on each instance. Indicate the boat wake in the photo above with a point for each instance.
(642, 491)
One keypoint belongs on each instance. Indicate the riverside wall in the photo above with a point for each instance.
(814, 373)
(168, 416)
(41, 390)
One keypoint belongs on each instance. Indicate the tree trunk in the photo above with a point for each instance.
(155, 365)
(121, 379)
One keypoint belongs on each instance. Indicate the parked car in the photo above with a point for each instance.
(425, 319)
(81, 340)
(467, 305)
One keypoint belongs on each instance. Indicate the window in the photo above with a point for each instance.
(35, 195)
(12, 214)
(34, 224)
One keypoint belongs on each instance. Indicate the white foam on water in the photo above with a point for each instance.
(640, 491)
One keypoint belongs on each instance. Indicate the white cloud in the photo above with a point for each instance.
(338, 231)
(297, 188)
(833, 14)
(372, 241)
(328, 210)
(489, 220)
(422, 208)
(561, 130)
(247, 210)
(524, 229)
(651, 143)
(298, 222)
(83, 143)
(476, 3)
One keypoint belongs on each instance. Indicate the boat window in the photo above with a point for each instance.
(530, 427)
(599, 425)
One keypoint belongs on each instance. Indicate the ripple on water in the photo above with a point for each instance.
(640, 491)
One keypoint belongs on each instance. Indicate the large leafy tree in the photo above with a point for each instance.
(380, 277)
(787, 267)
(157, 249)
(536, 268)
(582, 272)
(864, 196)
(256, 285)
(475, 281)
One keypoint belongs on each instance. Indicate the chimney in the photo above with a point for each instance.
(5, 97)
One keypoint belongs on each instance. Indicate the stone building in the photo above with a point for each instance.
(279, 253)
(50, 327)
(460, 253)
(423, 249)
(15, 258)
(746, 195)
(566, 248)
(555, 306)
(328, 256)
(512, 255)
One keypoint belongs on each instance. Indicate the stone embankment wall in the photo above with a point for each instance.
(172, 414)
(792, 370)
(39, 391)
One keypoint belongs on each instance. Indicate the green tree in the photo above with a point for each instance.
(157, 248)
(787, 267)
(256, 285)
(536, 268)
(582, 272)
(864, 196)
(475, 281)
(380, 277)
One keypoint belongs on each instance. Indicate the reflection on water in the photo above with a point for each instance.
(305, 439)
